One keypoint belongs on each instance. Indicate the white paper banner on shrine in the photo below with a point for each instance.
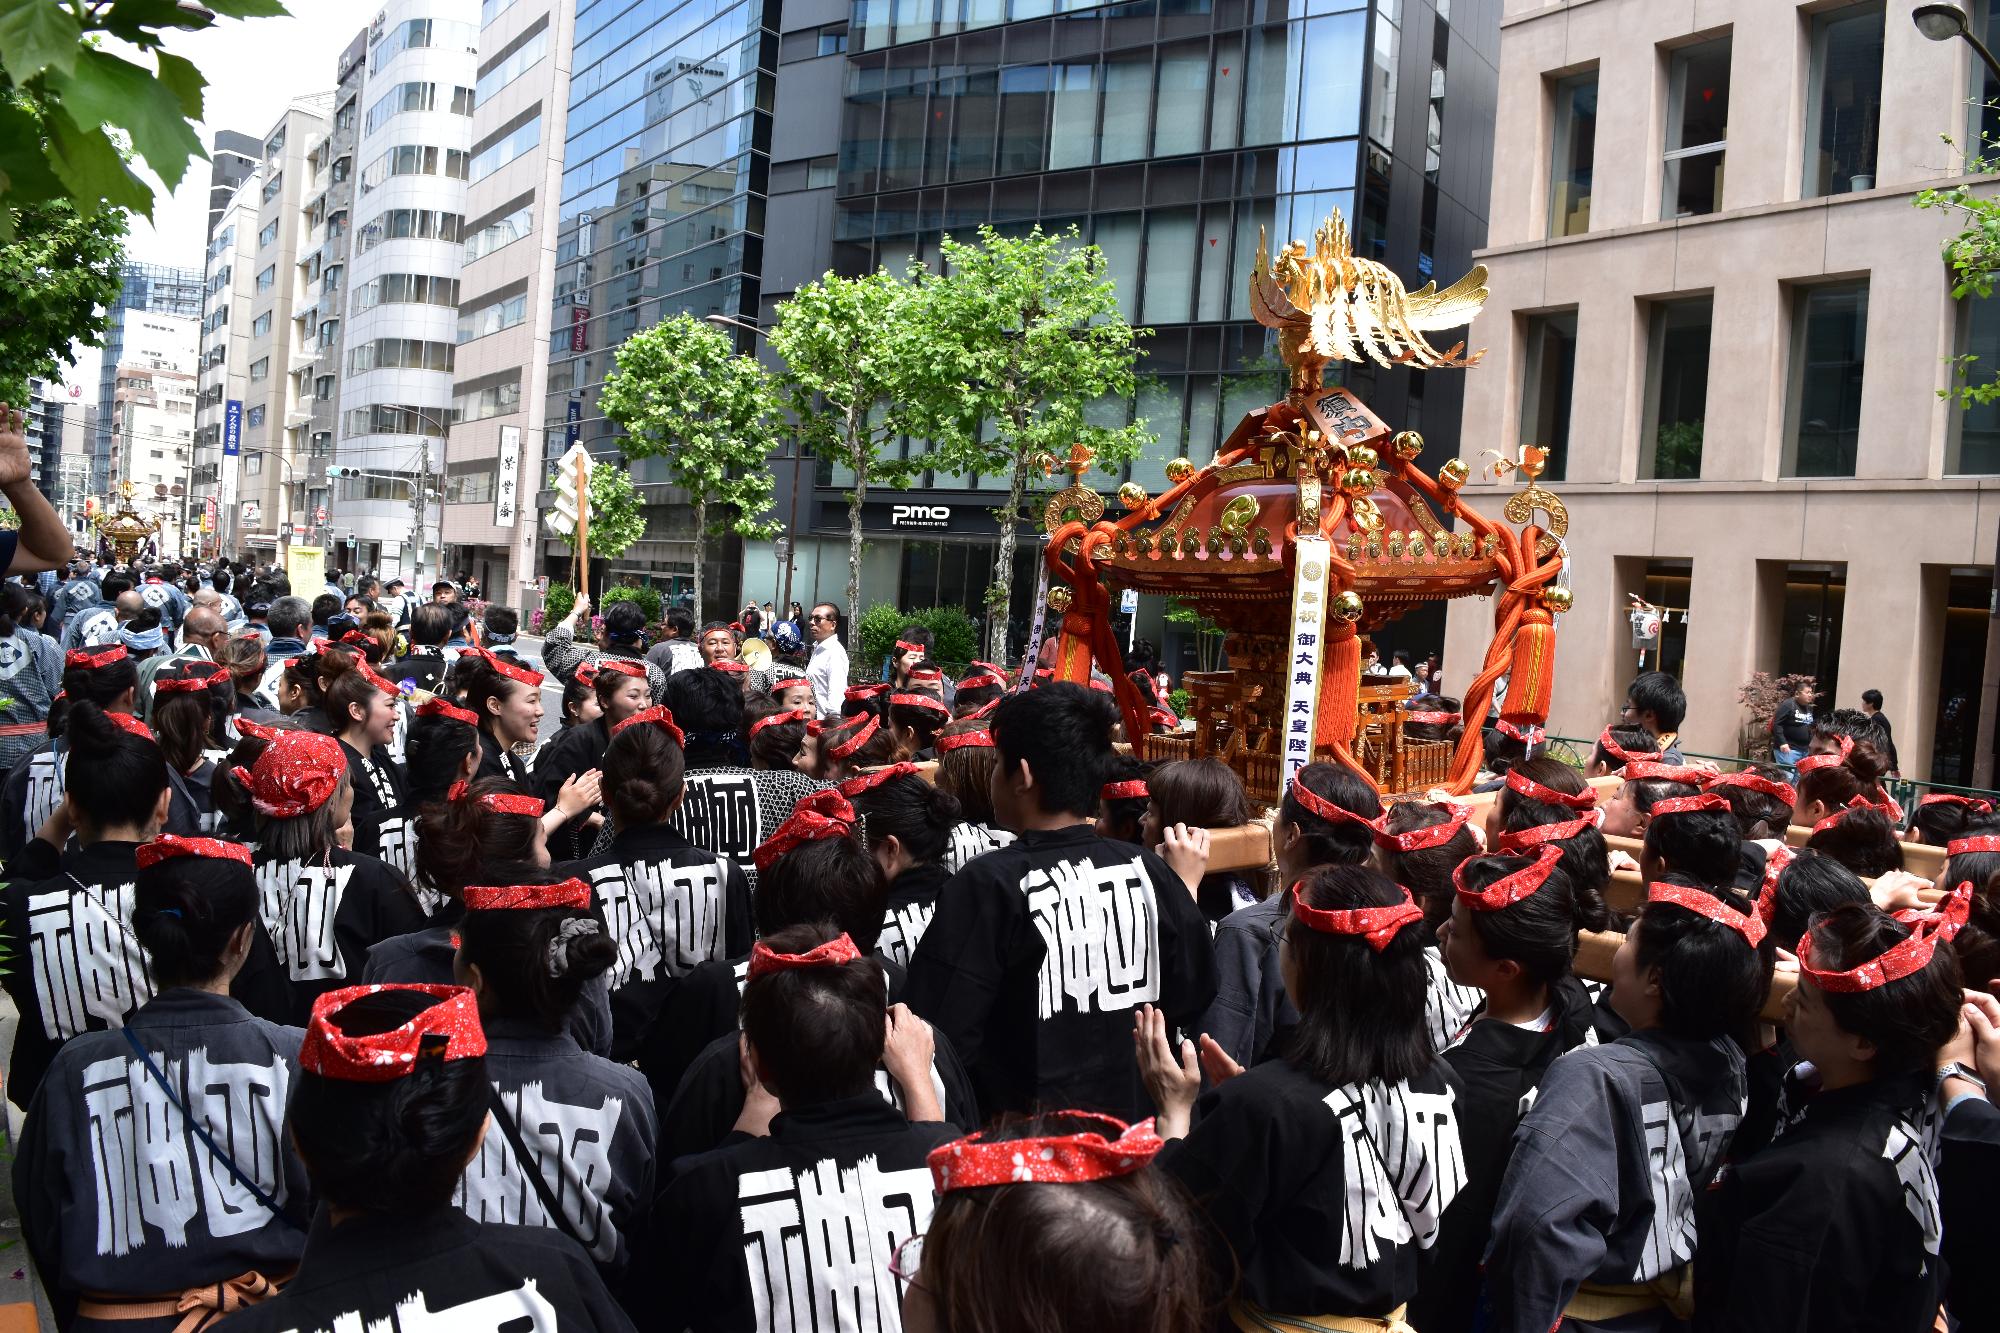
(506, 480)
(1035, 628)
(1308, 629)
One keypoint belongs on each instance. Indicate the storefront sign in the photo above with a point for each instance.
(506, 485)
(920, 516)
(253, 514)
(232, 428)
(1308, 629)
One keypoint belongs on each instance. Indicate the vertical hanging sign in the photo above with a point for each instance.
(505, 482)
(1308, 630)
(1035, 628)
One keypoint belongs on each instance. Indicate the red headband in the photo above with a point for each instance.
(380, 681)
(857, 740)
(296, 774)
(504, 667)
(1855, 803)
(1775, 862)
(506, 803)
(169, 845)
(981, 681)
(981, 738)
(729, 664)
(571, 895)
(1377, 925)
(83, 657)
(918, 701)
(1432, 835)
(126, 722)
(927, 674)
(387, 1056)
(1510, 888)
(1431, 719)
(1129, 790)
(993, 667)
(658, 715)
(257, 730)
(1685, 805)
(1617, 751)
(1970, 803)
(824, 814)
(1899, 960)
(836, 952)
(623, 666)
(854, 692)
(1522, 785)
(787, 682)
(780, 719)
(1327, 810)
(437, 707)
(1703, 903)
(866, 782)
(984, 710)
(905, 646)
(1777, 791)
(1062, 1159)
(1528, 735)
(1649, 770)
(1960, 846)
(180, 684)
(1558, 832)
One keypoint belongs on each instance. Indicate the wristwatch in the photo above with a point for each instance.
(1957, 1070)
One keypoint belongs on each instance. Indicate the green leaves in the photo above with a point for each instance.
(617, 519)
(58, 274)
(72, 103)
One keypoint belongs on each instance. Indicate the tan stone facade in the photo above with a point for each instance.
(1901, 536)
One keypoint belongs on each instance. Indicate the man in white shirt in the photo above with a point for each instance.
(828, 668)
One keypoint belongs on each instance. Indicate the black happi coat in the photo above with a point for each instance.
(118, 1196)
(29, 794)
(1833, 1227)
(191, 809)
(498, 762)
(730, 810)
(570, 752)
(1501, 1067)
(1968, 1183)
(324, 914)
(425, 957)
(969, 841)
(385, 826)
(75, 965)
(710, 1096)
(913, 897)
(1448, 1006)
(1327, 1197)
(590, 1127)
(1037, 956)
(1251, 1017)
(1621, 1140)
(437, 1272)
(789, 1233)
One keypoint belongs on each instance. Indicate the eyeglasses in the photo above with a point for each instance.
(817, 616)
(906, 1259)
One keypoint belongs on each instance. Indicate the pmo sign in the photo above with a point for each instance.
(920, 516)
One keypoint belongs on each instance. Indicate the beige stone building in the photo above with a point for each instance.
(1712, 295)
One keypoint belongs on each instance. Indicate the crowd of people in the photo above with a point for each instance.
(755, 999)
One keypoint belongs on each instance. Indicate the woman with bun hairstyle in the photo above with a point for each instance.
(191, 706)
(242, 656)
(668, 904)
(1419, 845)
(33, 790)
(1762, 800)
(916, 718)
(1545, 800)
(1123, 800)
(981, 685)
(1940, 817)
(507, 700)
(1834, 1225)
(302, 694)
(1090, 1234)
(105, 1258)
(1327, 818)
(620, 689)
(78, 966)
(365, 706)
(782, 738)
(529, 949)
(443, 749)
(966, 763)
(859, 741)
(323, 904)
(909, 823)
(1510, 936)
(1355, 1126)
(1595, 1225)
(1859, 836)
(392, 1100)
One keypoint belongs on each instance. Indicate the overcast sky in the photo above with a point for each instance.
(255, 67)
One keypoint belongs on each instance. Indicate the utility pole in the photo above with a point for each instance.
(419, 507)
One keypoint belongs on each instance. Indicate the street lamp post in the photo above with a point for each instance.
(798, 468)
(1941, 23)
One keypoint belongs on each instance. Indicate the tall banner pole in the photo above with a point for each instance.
(582, 527)
(1036, 628)
(1309, 581)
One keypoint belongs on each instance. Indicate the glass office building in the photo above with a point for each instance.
(662, 211)
(1172, 134)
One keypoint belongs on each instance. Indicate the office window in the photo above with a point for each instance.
(500, 232)
(1547, 384)
(1697, 129)
(832, 41)
(275, 146)
(403, 97)
(1183, 99)
(822, 173)
(512, 65)
(492, 9)
(491, 401)
(268, 235)
(260, 369)
(1975, 431)
(1382, 75)
(1573, 156)
(1982, 133)
(1829, 351)
(1844, 107)
(392, 419)
(267, 279)
(399, 354)
(509, 146)
(1810, 623)
(255, 416)
(405, 289)
(491, 318)
(260, 325)
(413, 223)
(1676, 389)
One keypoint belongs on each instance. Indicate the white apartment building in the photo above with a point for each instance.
(398, 334)
(153, 419)
(521, 99)
(1713, 297)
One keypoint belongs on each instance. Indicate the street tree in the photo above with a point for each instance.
(1021, 335)
(848, 345)
(58, 278)
(684, 396)
(78, 106)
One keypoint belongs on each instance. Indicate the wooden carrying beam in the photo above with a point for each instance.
(1593, 962)
(1919, 858)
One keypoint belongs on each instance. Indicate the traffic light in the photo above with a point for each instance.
(334, 470)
